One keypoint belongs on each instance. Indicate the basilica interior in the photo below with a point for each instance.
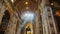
(29, 16)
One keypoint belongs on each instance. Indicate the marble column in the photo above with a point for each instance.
(44, 21)
(37, 29)
(18, 27)
(33, 27)
(12, 25)
(2, 10)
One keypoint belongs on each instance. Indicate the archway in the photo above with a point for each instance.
(4, 22)
(28, 28)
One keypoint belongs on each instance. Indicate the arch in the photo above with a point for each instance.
(27, 25)
(5, 21)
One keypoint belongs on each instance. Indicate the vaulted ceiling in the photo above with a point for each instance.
(21, 5)
(17, 1)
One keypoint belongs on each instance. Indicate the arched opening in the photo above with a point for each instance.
(28, 28)
(4, 22)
